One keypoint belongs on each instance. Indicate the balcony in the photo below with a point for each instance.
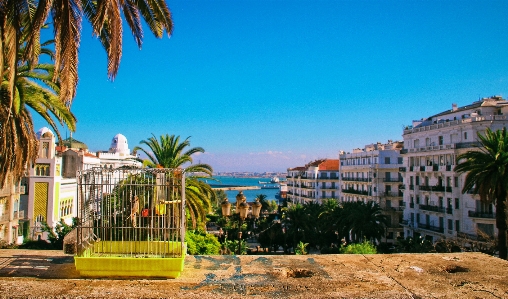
(425, 188)
(4, 217)
(20, 189)
(402, 187)
(432, 208)
(402, 169)
(392, 180)
(438, 188)
(393, 194)
(357, 179)
(412, 205)
(353, 191)
(19, 215)
(481, 214)
(431, 227)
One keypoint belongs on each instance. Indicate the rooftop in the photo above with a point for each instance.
(28, 273)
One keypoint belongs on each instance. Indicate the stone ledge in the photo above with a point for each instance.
(37, 273)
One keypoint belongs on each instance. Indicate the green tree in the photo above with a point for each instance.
(20, 47)
(202, 243)
(487, 175)
(363, 220)
(33, 88)
(56, 234)
(169, 152)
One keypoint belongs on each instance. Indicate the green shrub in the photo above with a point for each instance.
(301, 248)
(201, 243)
(359, 248)
(56, 234)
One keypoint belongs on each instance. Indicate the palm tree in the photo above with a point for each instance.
(169, 152)
(20, 26)
(363, 220)
(25, 19)
(487, 175)
(17, 136)
(265, 205)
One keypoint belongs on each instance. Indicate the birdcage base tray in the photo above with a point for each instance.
(129, 267)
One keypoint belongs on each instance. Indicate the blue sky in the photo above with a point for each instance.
(266, 85)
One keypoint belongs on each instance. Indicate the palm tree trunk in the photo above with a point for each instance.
(501, 225)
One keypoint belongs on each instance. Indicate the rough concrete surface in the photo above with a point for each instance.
(50, 274)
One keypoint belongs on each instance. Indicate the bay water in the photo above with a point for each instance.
(249, 194)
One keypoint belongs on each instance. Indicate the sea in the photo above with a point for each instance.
(249, 194)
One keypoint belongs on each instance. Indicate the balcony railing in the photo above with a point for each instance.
(20, 189)
(4, 217)
(393, 194)
(432, 208)
(356, 179)
(431, 227)
(19, 215)
(353, 191)
(425, 188)
(481, 214)
(392, 180)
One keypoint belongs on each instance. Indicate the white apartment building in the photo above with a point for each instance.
(372, 174)
(51, 182)
(435, 205)
(315, 182)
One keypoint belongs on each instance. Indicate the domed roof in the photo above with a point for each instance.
(119, 145)
(44, 131)
(72, 142)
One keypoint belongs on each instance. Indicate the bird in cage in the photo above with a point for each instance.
(134, 210)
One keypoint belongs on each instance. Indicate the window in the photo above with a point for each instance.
(399, 160)
(440, 140)
(450, 224)
(387, 160)
(45, 150)
(457, 203)
(416, 143)
(456, 182)
(465, 135)
(390, 235)
(418, 200)
(457, 225)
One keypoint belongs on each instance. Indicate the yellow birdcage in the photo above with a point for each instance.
(131, 222)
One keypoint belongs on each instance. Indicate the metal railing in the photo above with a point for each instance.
(431, 227)
(481, 214)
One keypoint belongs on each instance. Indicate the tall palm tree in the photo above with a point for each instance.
(20, 24)
(169, 152)
(363, 220)
(487, 175)
(33, 88)
(29, 16)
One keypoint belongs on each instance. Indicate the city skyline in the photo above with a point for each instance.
(268, 85)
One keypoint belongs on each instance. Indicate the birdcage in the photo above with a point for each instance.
(131, 222)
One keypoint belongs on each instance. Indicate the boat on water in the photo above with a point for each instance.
(274, 180)
(270, 186)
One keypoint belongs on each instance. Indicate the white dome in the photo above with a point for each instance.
(119, 145)
(43, 131)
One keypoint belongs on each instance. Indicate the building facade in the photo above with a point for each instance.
(314, 182)
(436, 208)
(372, 174)
(10, 212)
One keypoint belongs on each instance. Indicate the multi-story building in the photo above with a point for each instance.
(435, 205)
(372, 174)
(315, 182)
(51, 182)
(10, 212)
(50, 197)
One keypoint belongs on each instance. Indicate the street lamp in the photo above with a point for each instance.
(242, 210)
(239, 199)
(226, 208)
(256, 208)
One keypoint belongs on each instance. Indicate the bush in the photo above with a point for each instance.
(56, 234)
(359, 248)
(201, 243)
(36, 244)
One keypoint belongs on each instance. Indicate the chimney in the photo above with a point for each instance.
(454, 107)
